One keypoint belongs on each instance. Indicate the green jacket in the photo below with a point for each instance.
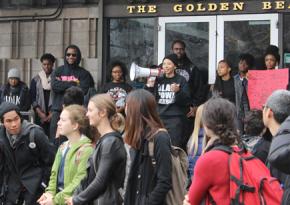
(75, 169)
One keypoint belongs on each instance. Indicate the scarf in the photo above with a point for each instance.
(45, 81)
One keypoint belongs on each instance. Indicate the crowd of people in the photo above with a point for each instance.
(89, 146)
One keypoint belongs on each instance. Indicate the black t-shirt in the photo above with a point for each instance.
(228, 90)
(46, 94)
(118, 92)
(171, 103)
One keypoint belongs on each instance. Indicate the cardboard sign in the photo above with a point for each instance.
(262, 83)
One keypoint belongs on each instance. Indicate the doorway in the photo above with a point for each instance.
(210, 39)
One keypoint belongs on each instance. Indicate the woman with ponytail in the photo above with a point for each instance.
(106, 167)
(69, 166)
(211, 178)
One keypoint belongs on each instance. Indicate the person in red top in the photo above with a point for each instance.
(211, 179)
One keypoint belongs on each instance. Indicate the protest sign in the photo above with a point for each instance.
(261, 84)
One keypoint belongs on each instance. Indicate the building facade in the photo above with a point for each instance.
(143, 30)
(140, 31)
(30, 28)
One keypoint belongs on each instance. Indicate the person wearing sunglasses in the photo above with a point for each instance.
(68, 75)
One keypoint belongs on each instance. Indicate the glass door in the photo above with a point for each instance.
(210, 39)
(199, 35)
(252, 34)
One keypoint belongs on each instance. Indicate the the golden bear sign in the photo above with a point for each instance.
(208, 7)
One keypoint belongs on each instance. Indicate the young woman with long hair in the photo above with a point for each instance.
(69, 166)
(106, 167)
(146, 184)
(219, 122)
(196, 142)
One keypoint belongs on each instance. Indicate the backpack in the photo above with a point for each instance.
(250, 180)
(179, 172)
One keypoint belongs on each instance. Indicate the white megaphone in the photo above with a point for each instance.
(139, 72)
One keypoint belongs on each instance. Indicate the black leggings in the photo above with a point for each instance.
(176, 127)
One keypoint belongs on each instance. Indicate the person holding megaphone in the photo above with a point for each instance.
(172, 95)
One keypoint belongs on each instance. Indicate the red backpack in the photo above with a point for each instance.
(250, 180)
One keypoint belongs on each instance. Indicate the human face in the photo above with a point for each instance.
(47, 66)
(243, 66)
(270, 61)
(13, 82)
(168, 67)
(12, 122)
(65, 126)
(117, 74)
(93, 114)
(179, 50)
(71, 55)
(223, 69)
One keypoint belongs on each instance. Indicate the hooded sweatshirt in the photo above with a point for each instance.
(66, 76)
(279, 160)
(26, 166)
(18, 95)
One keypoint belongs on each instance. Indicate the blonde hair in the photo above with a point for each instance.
(193, 141)
(106, 102)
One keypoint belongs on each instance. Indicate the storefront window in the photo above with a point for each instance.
(246, 37)
(132, 40)
(286, 41)
(196, 37)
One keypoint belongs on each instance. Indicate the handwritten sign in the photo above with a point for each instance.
(261, 84)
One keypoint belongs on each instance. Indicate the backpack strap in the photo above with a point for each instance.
(223, 148)
(32, 144)
(242, 187)
(80, 152)
(151, 145)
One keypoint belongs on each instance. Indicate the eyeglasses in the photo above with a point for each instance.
(71, 54)
(265, 106)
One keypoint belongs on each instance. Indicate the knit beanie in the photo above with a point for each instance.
(173, 57)
(14, 73)
(7, 107)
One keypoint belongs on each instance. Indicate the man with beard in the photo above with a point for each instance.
(194, 80)
(241, 88)
(68, 75)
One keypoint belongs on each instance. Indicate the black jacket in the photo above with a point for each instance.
(66, 76)
(147, 185)
(279, 158)
(24, 167)
(196, 84)
(106, 173)
(19, 95)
